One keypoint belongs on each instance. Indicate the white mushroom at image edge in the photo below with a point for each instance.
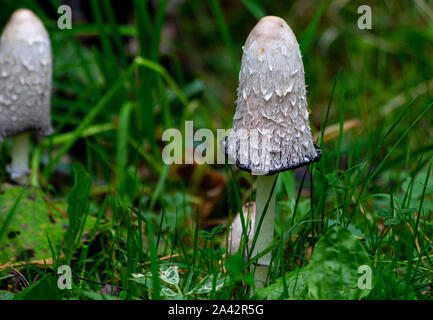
(271, 131)
(25, 87)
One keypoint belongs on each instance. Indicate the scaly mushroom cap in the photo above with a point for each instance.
(271, 103)
(25, 76)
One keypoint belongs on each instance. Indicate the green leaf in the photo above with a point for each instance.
(170, 275)
(333, 270)
(210, 235)
(392, 222)
(167, 292)
(350, 227)
(218, 229)
(296, 287)
(234, 264)
(144, 280)
(77, 208)
(418, 185)
(205, 286)
(44, 289)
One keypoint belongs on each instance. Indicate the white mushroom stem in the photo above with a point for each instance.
(266, 232)
(19, 167)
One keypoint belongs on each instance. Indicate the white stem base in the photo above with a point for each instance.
(19, 167)
(266, 232)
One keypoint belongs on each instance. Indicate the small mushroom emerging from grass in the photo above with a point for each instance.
(235, 231)
(271, 131)
(25, 87)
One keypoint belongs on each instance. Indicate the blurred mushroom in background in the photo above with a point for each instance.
(26, 66)
(271, 131)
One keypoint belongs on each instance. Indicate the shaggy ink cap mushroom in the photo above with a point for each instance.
(25, 85)
(271, 131)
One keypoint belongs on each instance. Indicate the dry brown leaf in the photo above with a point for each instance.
(39, 263)
(332, 132)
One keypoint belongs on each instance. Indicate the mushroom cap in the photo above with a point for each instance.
(271, 131)
(25, 76)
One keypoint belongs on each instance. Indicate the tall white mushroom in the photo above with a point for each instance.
(271, 131)
(25, 87)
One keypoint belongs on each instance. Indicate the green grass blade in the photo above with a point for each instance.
(224, 30)
(255, 8)
(122, 147)
(10, 215)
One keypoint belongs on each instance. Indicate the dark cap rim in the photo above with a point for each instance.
(282, 169)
